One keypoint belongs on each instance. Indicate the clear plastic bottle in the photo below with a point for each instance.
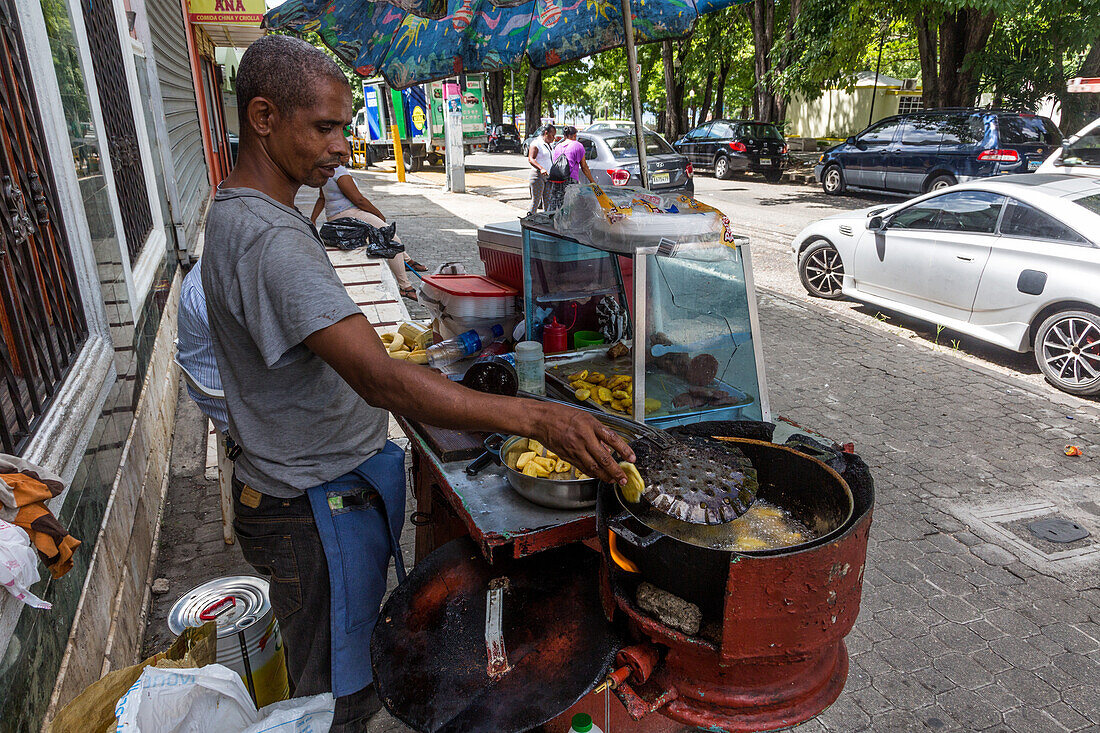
(465, 344)
(530, 368)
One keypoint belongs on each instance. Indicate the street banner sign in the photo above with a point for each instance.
(1084, 85)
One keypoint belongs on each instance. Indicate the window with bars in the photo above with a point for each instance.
(910, 103)
(42, 324)
(118, 119)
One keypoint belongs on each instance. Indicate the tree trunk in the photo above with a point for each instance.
(1078, 109)
(720, 92)
(705, 106)
(947, 46)
(674, 94)
(761, 14)
(532, 102)
(494, 97)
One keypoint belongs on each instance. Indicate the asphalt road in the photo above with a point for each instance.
(771, 215)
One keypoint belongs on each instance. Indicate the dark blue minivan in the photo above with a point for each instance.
(933, 149)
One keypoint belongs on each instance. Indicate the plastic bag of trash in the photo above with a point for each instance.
(213, 699)
(351, 233)
(19, 565)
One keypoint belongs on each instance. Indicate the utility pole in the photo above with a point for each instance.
(878, 67)
(513, 73)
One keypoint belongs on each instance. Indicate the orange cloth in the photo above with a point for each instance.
(54, 544)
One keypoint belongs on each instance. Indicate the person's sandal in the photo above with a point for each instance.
(416, 265)
(409, 292)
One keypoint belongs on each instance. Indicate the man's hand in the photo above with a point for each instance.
(584, 441)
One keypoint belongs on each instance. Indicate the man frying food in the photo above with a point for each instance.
(318, 490)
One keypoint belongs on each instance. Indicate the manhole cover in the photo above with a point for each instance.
(1058, 530)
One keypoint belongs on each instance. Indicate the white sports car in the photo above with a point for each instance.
(1012, 260)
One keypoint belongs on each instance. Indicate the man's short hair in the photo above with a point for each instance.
(569, 131)
(285, 70)
(549, 128)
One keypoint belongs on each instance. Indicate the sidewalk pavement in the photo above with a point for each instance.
(968, 622)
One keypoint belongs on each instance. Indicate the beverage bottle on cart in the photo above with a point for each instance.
(465, 344)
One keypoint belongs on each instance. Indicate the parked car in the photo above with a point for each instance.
(1012, 260)
(537, 134)
(1079, 155)
(732, 146)
(504, 139)
(934, 149)
(612, 157)
(622, 125)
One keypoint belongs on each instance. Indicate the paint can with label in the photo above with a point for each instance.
(249, 641)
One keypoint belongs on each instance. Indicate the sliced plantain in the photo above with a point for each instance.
(396, 342)
(596, 377)
(562, 466)
(632, 492)
(420, 356)
(578, 376)
(618, 394)
(603, 394)
(582, 394)
(531, 470)
(402, 355)
(525, 459)
(537, 447)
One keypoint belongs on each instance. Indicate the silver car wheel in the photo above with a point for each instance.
(833, 181)
(822, 271)
(1067, 350)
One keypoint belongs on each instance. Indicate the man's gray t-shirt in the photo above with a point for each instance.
(269, 284)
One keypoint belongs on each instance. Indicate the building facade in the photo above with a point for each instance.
(105, 175)
(838, 113)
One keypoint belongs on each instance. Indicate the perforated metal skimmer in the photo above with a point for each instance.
(697, 480)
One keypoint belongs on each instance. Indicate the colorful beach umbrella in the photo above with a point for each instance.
(396, 41)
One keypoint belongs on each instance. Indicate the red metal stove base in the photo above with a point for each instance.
(722, 702)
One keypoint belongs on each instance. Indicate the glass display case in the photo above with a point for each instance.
(683, 281)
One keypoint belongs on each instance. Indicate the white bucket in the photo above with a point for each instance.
(249, 641)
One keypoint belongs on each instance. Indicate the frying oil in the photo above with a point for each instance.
(764, 526)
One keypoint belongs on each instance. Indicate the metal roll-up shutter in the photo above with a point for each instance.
(181, 112)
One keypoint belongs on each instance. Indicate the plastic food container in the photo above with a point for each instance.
(584, 339)
(468, 297)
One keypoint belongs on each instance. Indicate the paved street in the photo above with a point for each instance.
(772, 214)
(968, 622)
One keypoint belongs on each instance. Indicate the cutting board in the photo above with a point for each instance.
(452, 445)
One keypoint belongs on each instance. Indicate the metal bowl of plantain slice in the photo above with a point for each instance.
(543, 478)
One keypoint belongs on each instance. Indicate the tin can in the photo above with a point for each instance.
(249, 641)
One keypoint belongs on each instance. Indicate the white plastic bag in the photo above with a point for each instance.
(213, 699)
(19, 565)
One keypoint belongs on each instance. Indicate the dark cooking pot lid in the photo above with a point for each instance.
(431, 653)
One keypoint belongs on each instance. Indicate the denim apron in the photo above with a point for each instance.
(359, 517)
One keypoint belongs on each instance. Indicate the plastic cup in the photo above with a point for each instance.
(584, 339)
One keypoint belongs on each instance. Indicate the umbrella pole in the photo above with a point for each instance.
(636, 97)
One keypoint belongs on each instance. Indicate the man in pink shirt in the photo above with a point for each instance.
(573, 152)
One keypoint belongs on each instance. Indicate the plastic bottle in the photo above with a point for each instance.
(465, 344)
(582, 723)
(529, 367)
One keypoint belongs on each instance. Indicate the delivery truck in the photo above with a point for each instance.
(418, 113)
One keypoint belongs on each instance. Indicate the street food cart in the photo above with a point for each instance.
(518, 615)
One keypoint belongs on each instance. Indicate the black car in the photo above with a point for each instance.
(732, 146)
(504, 139)
(937, 148)
(612, 157)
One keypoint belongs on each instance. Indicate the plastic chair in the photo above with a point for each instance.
(225, 466)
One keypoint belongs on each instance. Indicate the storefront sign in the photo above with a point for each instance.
(234, 12)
